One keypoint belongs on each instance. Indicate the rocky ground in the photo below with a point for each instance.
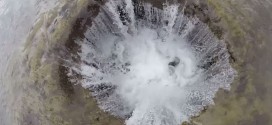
(246, 28)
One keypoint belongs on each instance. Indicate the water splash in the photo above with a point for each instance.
(152, 66)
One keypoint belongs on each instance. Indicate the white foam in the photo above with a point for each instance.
(161, 74)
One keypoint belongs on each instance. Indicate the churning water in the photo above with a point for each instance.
(146, 65)
(151, 66)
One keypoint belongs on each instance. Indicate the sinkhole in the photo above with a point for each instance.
(151, 66)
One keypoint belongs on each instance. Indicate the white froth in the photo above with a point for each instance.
(152, 66)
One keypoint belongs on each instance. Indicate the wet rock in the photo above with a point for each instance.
(175, 62)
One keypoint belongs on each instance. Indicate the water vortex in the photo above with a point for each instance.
(151, 66)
